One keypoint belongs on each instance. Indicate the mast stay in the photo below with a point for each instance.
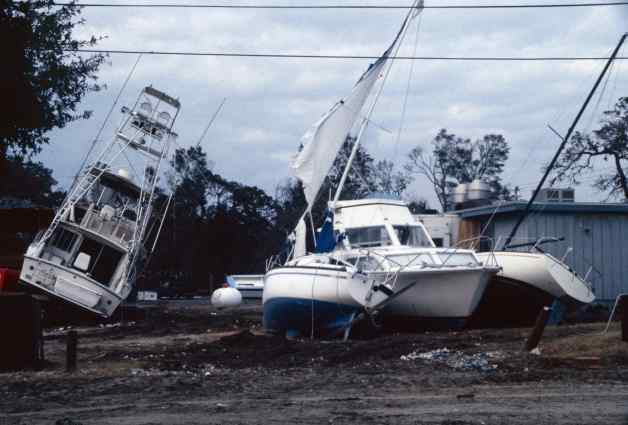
(565, 139)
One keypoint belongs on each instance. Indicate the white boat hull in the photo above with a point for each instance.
(543, 272)
(297, 297)
(449, 294)
(251, 286)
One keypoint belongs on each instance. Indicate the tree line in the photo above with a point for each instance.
(215, 226)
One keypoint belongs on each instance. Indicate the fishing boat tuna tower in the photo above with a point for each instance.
(91, 252)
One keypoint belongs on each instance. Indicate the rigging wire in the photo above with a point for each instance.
(558, 115)
(336, 7)
(364, 57)
(102, 127)
(408, 87)
(595, 109)
(617, 74)
(211, 121)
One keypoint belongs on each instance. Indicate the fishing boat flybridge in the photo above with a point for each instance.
(372, 255)
(91, 252)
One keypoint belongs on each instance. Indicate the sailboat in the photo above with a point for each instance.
(377, 258)
(91, 253)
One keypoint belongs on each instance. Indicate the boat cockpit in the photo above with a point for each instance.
(94, 237)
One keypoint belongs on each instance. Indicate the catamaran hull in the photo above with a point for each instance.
(436, 298)
(527, 283)
(299, 299)
(63, 283)
(544, 272)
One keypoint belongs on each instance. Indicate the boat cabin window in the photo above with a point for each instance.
(365, 263)
(457, 259)
(63, 239)
(103, 261)
(409, 260)
(413, 236)
(362, 237)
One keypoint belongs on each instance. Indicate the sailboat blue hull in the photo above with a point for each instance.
(295, 316)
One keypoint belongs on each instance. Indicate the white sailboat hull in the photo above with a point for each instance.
(543, 272)
(295, 298)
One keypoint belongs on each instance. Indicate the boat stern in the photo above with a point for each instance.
(69, 286)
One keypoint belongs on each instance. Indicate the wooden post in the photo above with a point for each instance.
(537, 332)
(70, 351)
(623, 303)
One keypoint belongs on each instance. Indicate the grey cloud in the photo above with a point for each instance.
(271, 103)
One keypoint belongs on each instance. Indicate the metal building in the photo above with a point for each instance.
(595, 236)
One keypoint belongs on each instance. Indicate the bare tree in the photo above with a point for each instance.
(457, 160)
(610, 143)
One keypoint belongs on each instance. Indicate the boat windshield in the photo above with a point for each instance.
(458, 259)
(413, 236)
(361, 237)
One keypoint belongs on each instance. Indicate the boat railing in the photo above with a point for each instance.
(533, 243)
(118, 229)
(272, 262)
(470, 243)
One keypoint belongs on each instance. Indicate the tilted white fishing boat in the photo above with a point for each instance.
(90, 254)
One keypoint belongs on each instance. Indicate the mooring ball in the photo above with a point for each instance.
(226, 297)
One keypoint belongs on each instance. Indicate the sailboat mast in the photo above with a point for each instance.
(565, 140)
(418, 7)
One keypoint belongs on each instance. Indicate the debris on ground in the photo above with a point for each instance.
(458, 359)
(185, 365)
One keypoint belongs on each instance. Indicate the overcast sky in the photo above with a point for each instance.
(272, 102)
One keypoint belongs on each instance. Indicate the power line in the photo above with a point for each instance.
(351, 57)
(353, 6)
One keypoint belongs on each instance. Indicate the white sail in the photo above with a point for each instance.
(324, 139)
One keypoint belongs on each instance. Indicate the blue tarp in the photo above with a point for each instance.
(325, 238)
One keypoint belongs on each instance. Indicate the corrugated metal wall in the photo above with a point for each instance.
(600, 240)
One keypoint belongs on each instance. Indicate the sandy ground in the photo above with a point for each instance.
(193, 365)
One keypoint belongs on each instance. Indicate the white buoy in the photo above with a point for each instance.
(226, 297)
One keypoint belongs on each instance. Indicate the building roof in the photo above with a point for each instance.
(545, 207)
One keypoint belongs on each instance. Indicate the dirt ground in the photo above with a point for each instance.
(190, 364)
